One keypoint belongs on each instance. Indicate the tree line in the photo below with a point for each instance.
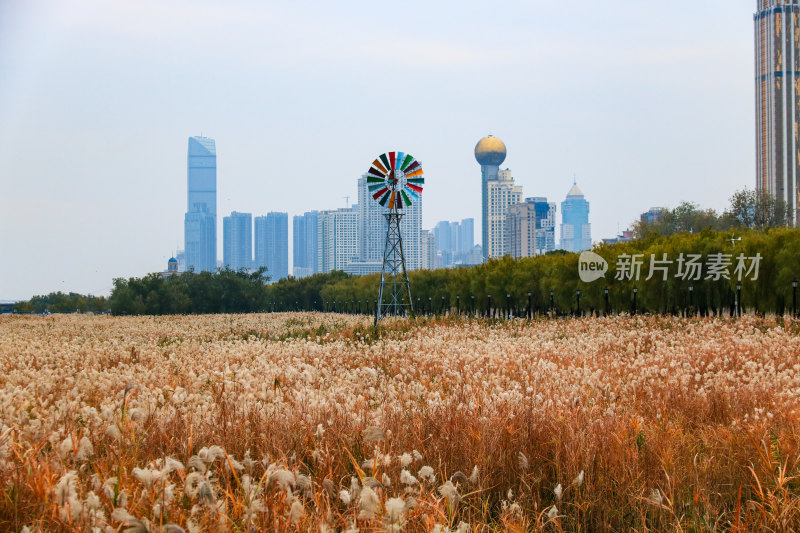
(547, 284)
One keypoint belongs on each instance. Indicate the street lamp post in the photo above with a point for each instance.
(552, 299)
(472, 297)
(508, 304)
(578, 297)
(458, 304)
(739, 298)
(635, 292)
(489, 305)
(794, 297)
(691, 297)
(530, 307)
(442, 307)
(605, 294)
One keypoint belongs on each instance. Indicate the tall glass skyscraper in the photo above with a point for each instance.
(576, 232)
(200, 223)
(490, 153)
(304, 239)
(777, 73)
(272, 244)
(237, 240)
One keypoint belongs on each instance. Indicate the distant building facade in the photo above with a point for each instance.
(530, 228)
(576, 232)
(503, 193)
(200, 221)
(337, 238)
(304, 239)
(428, 244)
(272, 244)
(237, 241)
(777, 77)
(653, 215)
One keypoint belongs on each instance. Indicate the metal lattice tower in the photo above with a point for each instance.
(394, 296)
(395, 181)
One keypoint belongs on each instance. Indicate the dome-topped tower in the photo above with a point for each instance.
(490, 151)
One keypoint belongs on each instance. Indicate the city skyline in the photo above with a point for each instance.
(108, 90)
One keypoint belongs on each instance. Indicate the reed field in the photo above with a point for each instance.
(319, 422)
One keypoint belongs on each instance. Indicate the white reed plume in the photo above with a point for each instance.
(406, 478)
(344, 496)
(578, 481)
(405, 459)
(473, 477)
(373, 434)
(369, 504)
(522, 460)
(656, 497)
(427, 473)
(449, 491)
(395, 514)
(552, 513)
(558, 491)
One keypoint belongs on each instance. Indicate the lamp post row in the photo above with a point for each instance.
(358, 306)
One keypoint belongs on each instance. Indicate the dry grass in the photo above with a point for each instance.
(315, 422)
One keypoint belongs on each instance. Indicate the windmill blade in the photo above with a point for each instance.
(417, 172)
(380, 192)
(375, 179)
(405, 197)
(382, 201)
(414, 187)
(375, 172)
(412, 167)
(407, 161)
(377, 164)
(392, 159)
(385, 161)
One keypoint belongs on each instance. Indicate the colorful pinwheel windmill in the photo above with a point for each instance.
(395, 180)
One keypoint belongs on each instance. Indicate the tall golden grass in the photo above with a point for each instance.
(312, 422)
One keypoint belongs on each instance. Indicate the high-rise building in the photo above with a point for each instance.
(530, 228)
(337, 238)
(466, 235)
(304, 239)
(443, 235)
(428, 242)
(490, 153)
(502, 195)
(576, 232)
(272, 244)
(653, 215)
(237, 240)
(372, 227)
(777, 73)
(200, 222)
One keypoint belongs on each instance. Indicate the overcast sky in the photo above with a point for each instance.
(647, 103)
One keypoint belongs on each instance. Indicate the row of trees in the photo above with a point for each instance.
(509, 285)
(59, 302)
(747, 209)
